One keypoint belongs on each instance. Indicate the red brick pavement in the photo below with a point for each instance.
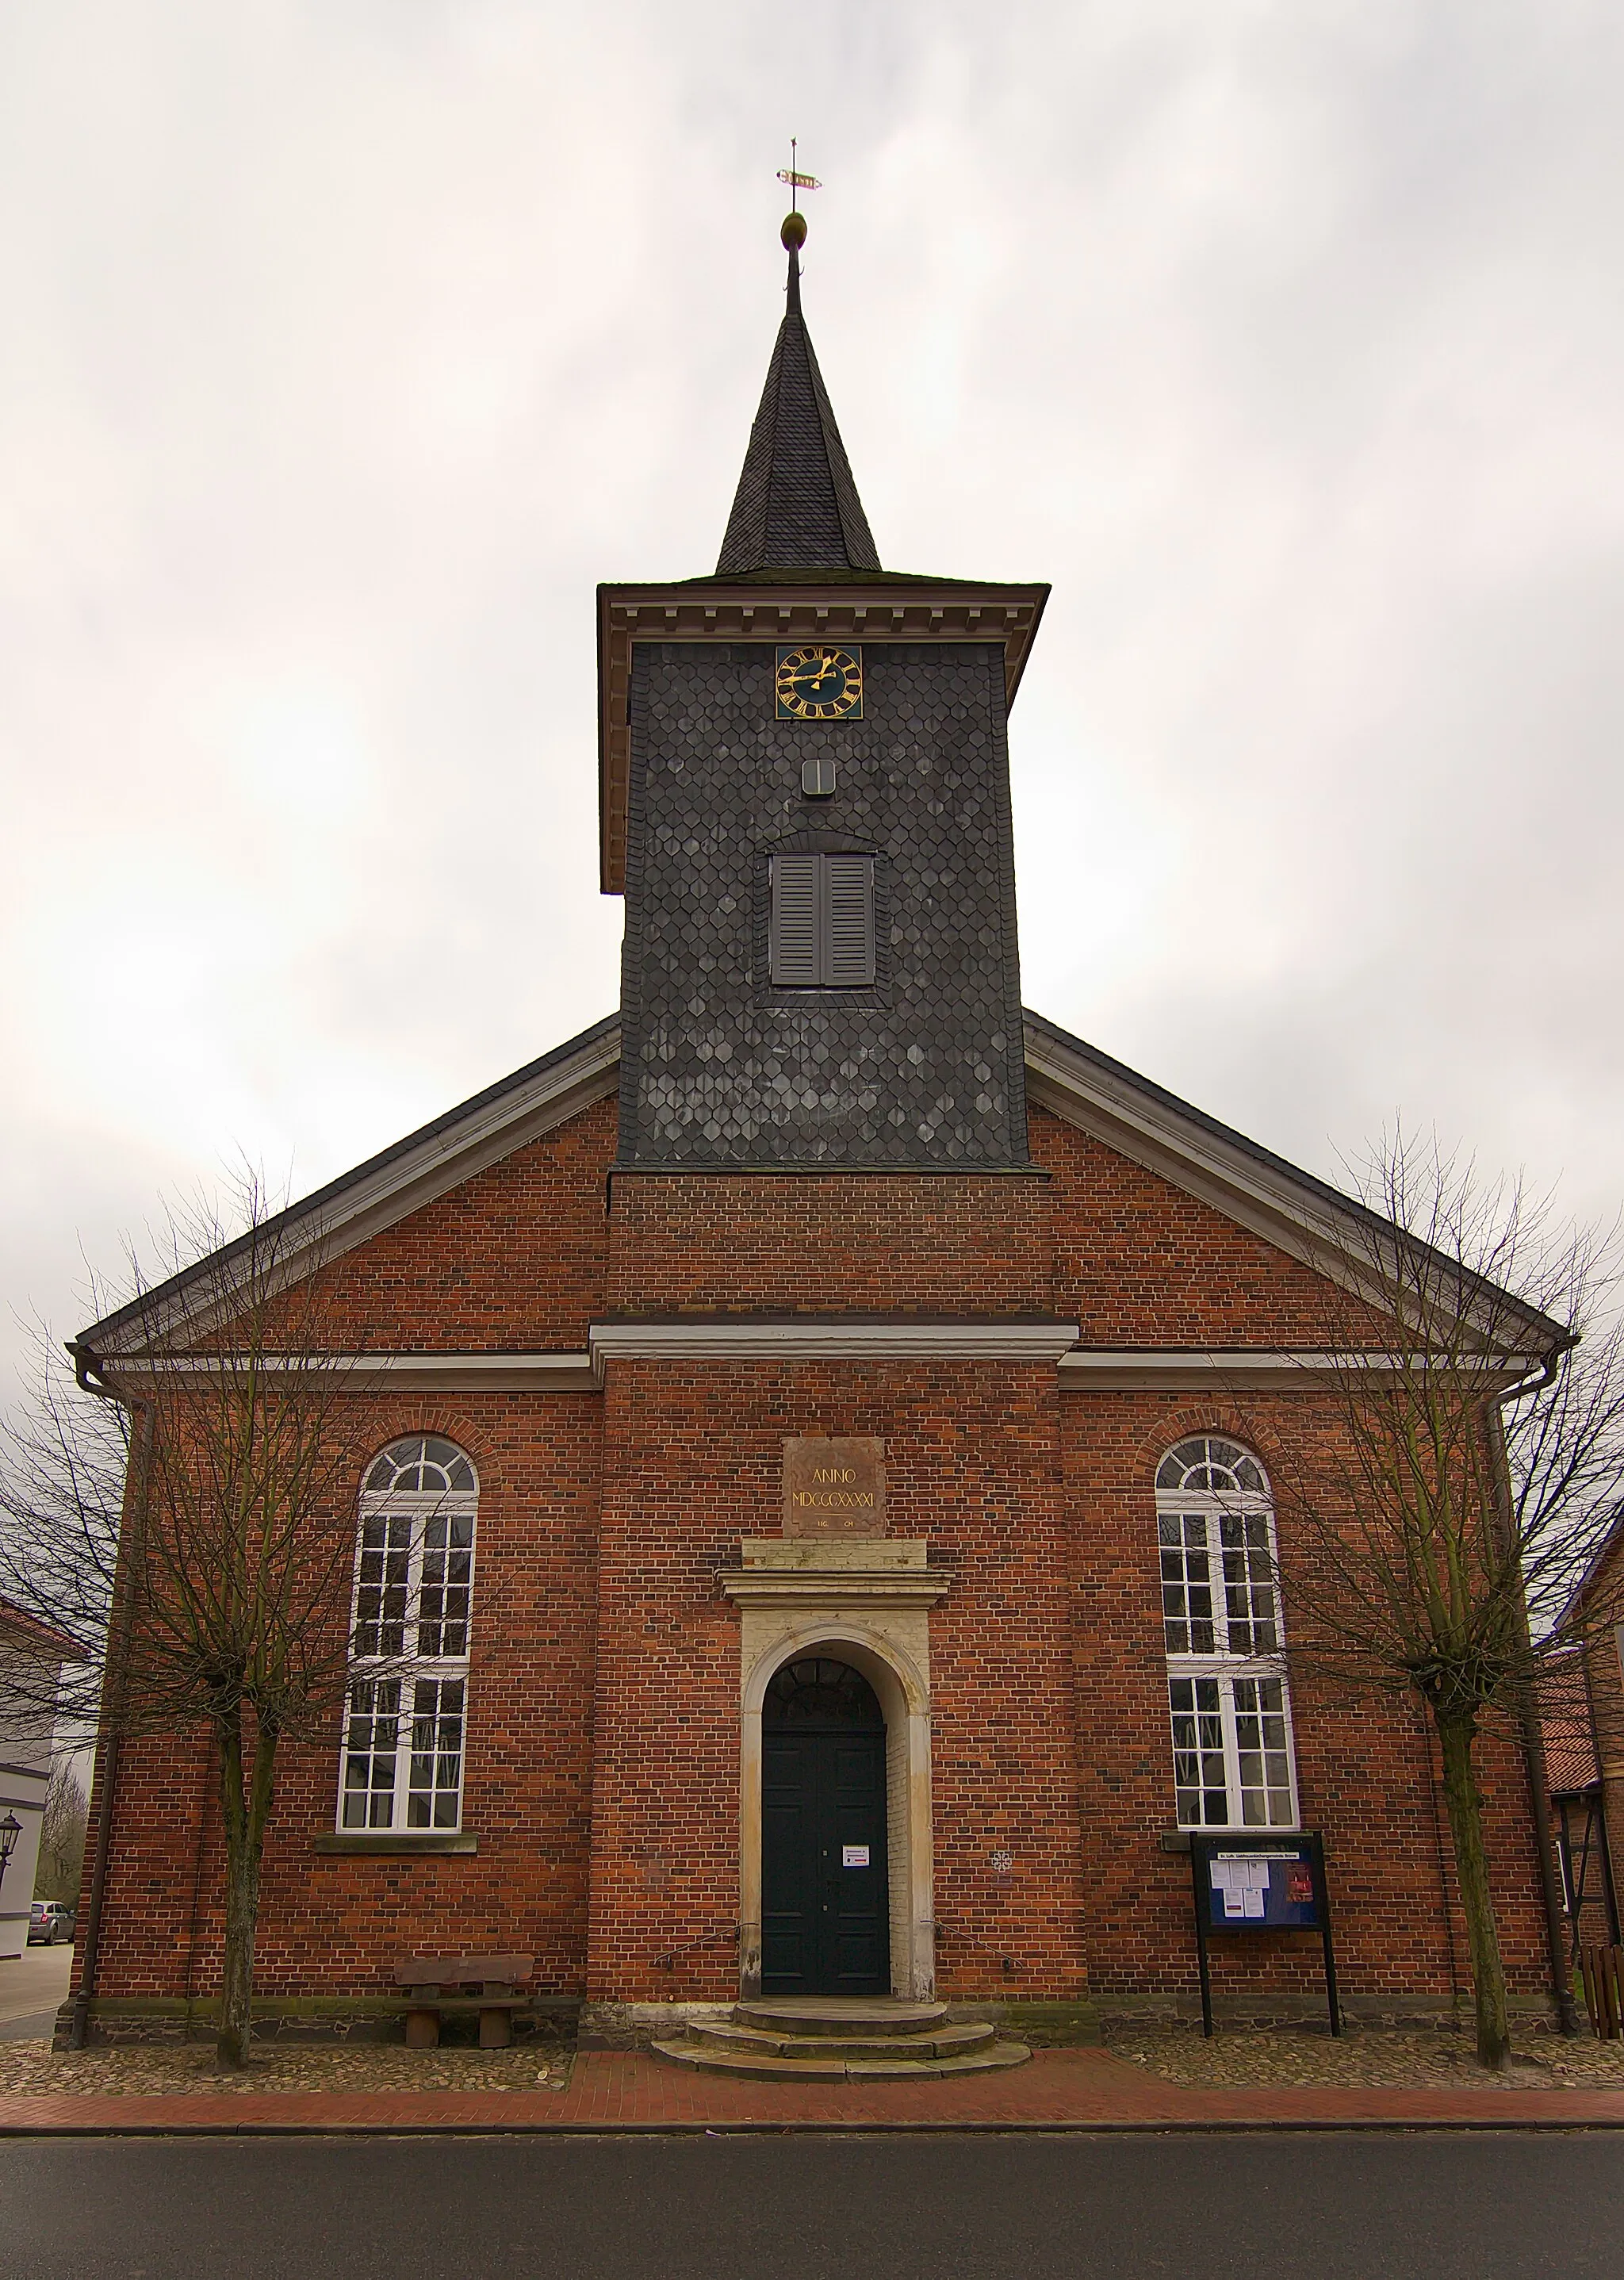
(627, 2091)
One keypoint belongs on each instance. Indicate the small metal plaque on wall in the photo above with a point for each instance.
(834, 1487)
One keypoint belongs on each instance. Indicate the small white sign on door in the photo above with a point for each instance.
(854, 1856)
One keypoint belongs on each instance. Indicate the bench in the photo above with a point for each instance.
(439, 1984)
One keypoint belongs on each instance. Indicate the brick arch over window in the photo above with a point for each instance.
(411, 1619)
(422, 1461)
(1186, 1420)
(1227, 1696)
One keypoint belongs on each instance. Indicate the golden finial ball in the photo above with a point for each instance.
(793, 235)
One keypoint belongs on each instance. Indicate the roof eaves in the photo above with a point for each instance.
(24, 1632)
(1599, 1560)
(1286, 1202)
(403, 1176)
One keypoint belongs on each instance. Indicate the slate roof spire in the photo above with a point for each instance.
(797, 507)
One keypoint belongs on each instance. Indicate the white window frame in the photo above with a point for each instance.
(1224, 1666)
(403, 1669)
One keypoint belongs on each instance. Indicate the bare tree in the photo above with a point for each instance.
(1474, 1363)
(62, 1834)
(193, 1528)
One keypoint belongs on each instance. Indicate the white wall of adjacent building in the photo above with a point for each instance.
(25, 1772)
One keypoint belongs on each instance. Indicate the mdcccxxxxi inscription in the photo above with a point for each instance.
(834, 1487)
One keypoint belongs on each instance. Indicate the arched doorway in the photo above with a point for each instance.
(825, 1912)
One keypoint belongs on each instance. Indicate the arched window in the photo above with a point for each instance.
(404, 1725)
(1232, 1757)
(818, 1691)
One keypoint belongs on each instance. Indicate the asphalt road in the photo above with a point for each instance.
(1309, 2208)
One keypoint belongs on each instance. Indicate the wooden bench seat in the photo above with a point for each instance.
(439, 1984)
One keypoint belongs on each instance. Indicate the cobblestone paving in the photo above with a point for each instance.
(629, 2091)
(1373, 2058)
(33, 2070)
(1369, 2057)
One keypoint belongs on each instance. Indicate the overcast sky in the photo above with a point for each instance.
(348, 345)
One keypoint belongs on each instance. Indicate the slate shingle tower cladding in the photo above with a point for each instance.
(720, 1067)
(796, 506)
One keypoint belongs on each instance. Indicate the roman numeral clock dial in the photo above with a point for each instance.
(819, 683)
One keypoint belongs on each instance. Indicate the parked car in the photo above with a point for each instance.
(49, 1922)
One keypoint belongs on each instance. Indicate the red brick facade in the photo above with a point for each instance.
(603, 1758)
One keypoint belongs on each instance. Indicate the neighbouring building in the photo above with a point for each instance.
(806, 1458)
(30, 1657)
(1582, 1709)
(1578, 1811)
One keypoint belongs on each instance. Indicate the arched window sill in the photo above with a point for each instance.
(394, 1840)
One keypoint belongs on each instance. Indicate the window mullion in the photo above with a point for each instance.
(1220, 1593)
(403, 1752)
(414, 1585)
(1232, 1750)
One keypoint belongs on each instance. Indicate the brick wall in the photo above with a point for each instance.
(337, 1922)
(864, 1243)
(1604, 1675)
(604, 1520)
(692, 1458)
(1139, 1263)
(515, 1257)
(1366, 1772)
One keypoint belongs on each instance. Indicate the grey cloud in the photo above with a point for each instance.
(351, 344)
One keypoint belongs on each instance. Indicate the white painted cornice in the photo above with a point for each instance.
(1117, 1369)
(1082, 1369)
(394, 1373)
(837, 1340)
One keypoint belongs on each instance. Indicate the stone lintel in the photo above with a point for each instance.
(826, 1554)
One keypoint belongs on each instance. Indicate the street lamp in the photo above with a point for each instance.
(11, 1829)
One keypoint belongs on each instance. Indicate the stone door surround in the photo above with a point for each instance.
(865, 1601)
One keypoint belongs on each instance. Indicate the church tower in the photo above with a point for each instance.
(805, 788)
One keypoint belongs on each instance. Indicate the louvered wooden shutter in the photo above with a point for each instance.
(849, 942)
(823, 922)
(795, 921)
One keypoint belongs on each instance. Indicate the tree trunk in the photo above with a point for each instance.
(1456, 1735)
(246, 1776)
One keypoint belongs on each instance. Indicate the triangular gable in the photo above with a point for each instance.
(1305, 1217)
(1302, 1215)
(427, 1164)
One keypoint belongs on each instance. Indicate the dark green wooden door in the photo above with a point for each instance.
(825, 1926)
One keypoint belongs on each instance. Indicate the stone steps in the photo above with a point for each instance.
(839, 2014)
(834, 2038)
(940, 2042)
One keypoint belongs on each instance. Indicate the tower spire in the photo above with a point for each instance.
(796, 506)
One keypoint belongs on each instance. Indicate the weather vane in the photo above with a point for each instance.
(794, 231)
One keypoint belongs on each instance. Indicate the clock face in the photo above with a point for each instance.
(819, 683)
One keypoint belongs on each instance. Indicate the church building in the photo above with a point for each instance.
(821, 1424)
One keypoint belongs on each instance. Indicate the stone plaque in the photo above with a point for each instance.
(835, 1488)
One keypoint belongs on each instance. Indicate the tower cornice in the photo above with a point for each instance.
(870, 605)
